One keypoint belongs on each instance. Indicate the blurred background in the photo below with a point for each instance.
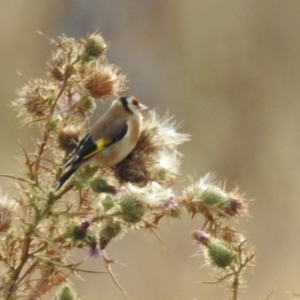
(229, 71)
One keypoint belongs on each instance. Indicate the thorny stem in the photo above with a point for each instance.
(108, 263)
(26, 244)
(43, 281)
(29, 232)
(64, 191)
(23, 260)
(28, 272)
(15, 177)
(235, 287)
(237, 272)
(45, 138)
(73, 267)
(64, 84)
(40, 153)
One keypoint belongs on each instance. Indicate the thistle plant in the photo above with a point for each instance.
(40, 227)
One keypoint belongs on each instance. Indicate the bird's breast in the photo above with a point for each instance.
(116, 152)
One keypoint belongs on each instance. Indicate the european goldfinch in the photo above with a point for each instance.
(110, 140)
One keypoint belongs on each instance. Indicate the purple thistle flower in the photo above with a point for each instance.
(171, 204)
(85, 224)
(94, 251)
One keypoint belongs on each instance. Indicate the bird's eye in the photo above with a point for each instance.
(135, 102)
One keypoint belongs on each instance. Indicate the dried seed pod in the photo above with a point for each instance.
(68, 138)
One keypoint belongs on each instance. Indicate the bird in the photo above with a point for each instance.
(109, 141)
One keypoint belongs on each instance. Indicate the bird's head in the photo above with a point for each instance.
(131, 104)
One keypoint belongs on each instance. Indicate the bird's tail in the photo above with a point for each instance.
(60, 182)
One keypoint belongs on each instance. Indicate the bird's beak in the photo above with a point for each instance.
(142, 107)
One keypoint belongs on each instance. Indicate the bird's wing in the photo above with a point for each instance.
(97, 140)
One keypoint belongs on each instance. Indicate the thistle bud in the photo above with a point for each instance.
(108, 232)
(93, 249)
(66, 293)
(99, 185)
(86, 103)
(79, 232)
(94, 46)
(132, 209)
(107, 203)
(52, 124)
(103, 242)
(214, 196)
(220, 253)
(84, 175)
(176, 213)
